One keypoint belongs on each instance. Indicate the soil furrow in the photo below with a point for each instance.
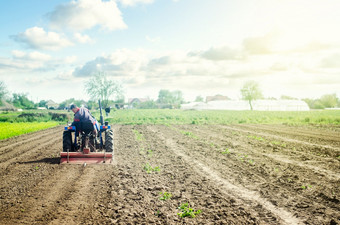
(278, 156)
(39, 199)
(228, 172)
(32, 144)
(228, 187)
(28, 139)
(297, 133)
(316, 149)
(245, 173)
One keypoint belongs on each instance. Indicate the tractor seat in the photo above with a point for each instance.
(86, 127)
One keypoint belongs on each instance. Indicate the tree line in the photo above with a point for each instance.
(111, 93)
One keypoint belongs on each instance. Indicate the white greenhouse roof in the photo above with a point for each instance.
(260, 105)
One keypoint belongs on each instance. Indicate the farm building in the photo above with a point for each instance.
(52, 105)
(217, 98)
(260, 105)
(132, 101)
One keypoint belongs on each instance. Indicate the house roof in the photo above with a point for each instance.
(132, 100)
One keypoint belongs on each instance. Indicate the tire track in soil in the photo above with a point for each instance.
(122, 193)
(135, 193)
(246, 196)
(26, 173)
(32, 144)
(333, 151)
(36, 154)
(76, 191)
(298, 133)
(305, 154)
(276, 157)
(189, 186)
(20, 141)
(40, 199)
(273, 189)
(320, 161)
(22, 173)
(323, 202)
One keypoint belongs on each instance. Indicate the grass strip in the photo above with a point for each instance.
(8, 130)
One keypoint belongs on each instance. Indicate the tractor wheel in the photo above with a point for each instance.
(67, 141)
(109, 140)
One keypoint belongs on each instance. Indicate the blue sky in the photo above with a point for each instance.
(48, 49)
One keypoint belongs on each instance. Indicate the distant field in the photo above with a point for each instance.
(8, 130)
(173, 116)
(16, 123)
(36, 116)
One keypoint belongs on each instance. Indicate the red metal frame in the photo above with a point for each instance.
(81, 158)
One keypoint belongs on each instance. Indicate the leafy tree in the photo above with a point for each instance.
(42, 103)
(317, 104)
(329, 101)
(250, 92)
(70, 101)
(326, 101)
(314, 103)
(199, 99)
(177, 97)
(21, 101)
(164, 97)
(91, 104)
(173, 99)
(100, 87)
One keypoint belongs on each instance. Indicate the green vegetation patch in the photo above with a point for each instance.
(187, 211)
(8, 130)
(165, 196)
(149, 169)
(35, 116)
(177, 116)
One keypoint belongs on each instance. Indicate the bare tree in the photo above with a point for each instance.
(99, 87)
(250, 92)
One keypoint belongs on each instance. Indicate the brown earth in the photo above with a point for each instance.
(236, 174)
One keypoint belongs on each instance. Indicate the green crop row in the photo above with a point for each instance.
(173, 116)
(8, 130)
(36, 116)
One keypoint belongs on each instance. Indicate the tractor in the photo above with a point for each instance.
(82, 145)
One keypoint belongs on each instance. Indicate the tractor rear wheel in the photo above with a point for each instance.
(109, 141)
(67, 141)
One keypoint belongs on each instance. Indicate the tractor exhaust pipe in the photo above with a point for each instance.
(101, 115)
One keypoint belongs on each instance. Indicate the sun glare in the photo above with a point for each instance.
(294, 24)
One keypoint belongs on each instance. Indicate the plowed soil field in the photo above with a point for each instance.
(234, 174)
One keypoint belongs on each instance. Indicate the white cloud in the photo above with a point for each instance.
(36, 56)
(122, 63)
(19, 65)
(70, 59)
(220, 53)
(31, 62)
(134, 2)
(213, 70)
(64, 76)
(81, 15)
(82, 38)
(332, 61)
(259, 45)
(38, 38)
(153, 40)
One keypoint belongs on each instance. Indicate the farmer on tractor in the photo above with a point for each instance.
(83, 115)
